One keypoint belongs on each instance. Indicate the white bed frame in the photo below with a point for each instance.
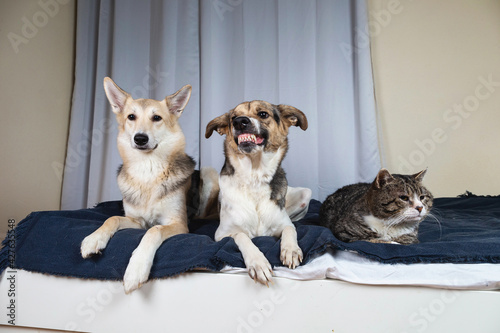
(218, 302)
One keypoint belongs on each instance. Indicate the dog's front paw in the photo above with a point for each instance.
(291, 256)
(93, 244)
(137, 272)
(260, 269)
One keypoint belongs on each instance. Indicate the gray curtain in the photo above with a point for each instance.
(313, 55)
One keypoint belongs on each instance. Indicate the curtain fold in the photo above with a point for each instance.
(302, 53)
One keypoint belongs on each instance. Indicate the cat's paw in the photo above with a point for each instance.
(137, 271)
(259, 268)
(291, 256)
(93, 244)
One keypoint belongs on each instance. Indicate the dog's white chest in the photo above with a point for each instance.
(256, 177)
(145, 197)
(247, 207)
(245, 197)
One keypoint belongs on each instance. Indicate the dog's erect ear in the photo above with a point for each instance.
(293, 116)
(219, 124)
(116, 96)
(178, 101)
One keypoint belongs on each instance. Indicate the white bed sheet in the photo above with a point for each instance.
(352, 267)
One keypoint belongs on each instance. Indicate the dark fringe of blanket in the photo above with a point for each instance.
(469, 194)
(8, 251)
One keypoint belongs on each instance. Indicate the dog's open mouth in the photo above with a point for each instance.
(250, 138)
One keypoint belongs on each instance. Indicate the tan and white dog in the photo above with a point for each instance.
(254, 196)
(154, 179)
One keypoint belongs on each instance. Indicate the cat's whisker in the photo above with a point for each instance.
(396, 221)
(434, 217)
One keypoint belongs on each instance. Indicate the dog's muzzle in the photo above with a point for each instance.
(242, 123)
(246, 135)
(141, 141)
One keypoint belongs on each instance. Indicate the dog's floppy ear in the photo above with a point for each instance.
(178, 101)
(219, 124)
(116, 96)
(293, 116)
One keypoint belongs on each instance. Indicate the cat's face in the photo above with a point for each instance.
(399, 198)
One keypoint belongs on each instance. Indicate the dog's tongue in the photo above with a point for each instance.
(250, 138)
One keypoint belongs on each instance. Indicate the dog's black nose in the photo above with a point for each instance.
(241, 123)
(141, 139)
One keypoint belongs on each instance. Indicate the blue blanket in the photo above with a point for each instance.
(467, 230)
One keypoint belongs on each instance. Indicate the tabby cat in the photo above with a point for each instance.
(389, 210)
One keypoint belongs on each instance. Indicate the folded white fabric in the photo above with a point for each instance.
(352, 267)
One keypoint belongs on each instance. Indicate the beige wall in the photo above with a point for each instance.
(432, 61)
(36, 75)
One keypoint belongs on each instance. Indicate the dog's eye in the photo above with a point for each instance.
(263, 114)
(156, 117)
(131, 117)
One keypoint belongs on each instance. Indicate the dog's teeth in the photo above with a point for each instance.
(246, 137)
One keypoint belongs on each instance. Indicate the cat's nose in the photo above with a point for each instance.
(419, 208)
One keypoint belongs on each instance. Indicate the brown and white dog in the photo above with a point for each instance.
(154, 180)
(254, 196)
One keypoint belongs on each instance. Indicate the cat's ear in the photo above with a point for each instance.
(383, 177)
(419, 176)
